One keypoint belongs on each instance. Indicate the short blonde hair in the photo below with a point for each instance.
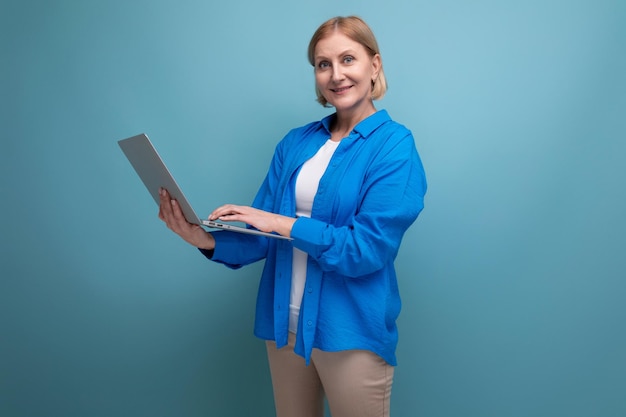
(356, 29)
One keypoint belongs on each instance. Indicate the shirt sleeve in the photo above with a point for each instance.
(236, 250)
(391, 198)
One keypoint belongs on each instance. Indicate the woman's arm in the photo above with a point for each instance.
(259, 219)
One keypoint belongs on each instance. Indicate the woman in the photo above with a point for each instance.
(344, 189)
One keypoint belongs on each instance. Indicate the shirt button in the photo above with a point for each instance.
(310, 290)
(310, 323)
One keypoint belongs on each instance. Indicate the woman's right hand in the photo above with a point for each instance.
(172, 215)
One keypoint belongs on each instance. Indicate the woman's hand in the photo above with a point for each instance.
(259, 219)
(172, 215)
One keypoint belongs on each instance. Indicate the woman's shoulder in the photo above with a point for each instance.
(394, 127)
(315, 126)
(384, 131)
(307, 128)
(305, 132)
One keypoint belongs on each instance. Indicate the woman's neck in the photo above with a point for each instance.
(345, 122)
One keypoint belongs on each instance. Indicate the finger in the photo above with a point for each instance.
(223, 211)
(177, 212)
(167, 212)
(163, 197)
(165, 205)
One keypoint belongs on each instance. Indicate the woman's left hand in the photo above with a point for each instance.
(259, 219)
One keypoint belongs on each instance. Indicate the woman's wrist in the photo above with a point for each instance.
(284, 225)
(207, 243)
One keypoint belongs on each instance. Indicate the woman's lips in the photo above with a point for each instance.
(340, 89)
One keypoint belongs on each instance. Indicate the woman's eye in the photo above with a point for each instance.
(323, 65)
(348, 59)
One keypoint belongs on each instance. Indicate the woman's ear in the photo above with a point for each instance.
(376, 65)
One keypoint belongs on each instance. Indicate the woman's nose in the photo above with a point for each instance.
(337, 73)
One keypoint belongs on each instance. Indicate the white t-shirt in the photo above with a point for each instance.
(306, 188)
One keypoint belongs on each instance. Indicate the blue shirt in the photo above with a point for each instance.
(371, 192)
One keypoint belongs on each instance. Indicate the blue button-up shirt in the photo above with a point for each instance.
(371, 192)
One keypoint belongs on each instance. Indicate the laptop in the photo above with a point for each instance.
(155, 175)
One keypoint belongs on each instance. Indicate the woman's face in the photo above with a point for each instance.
(344, 72)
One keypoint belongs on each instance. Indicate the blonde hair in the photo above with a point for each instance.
(356, 29)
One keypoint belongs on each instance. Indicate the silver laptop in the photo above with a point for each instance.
(155, 175)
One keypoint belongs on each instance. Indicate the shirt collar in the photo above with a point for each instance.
(366, 126)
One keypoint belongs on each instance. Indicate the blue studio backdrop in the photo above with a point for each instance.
(513, 278)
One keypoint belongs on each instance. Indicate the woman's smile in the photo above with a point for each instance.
(340, 90)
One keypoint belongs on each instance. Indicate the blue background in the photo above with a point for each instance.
(513, 277)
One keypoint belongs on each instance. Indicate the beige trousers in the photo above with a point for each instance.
(357, 383)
